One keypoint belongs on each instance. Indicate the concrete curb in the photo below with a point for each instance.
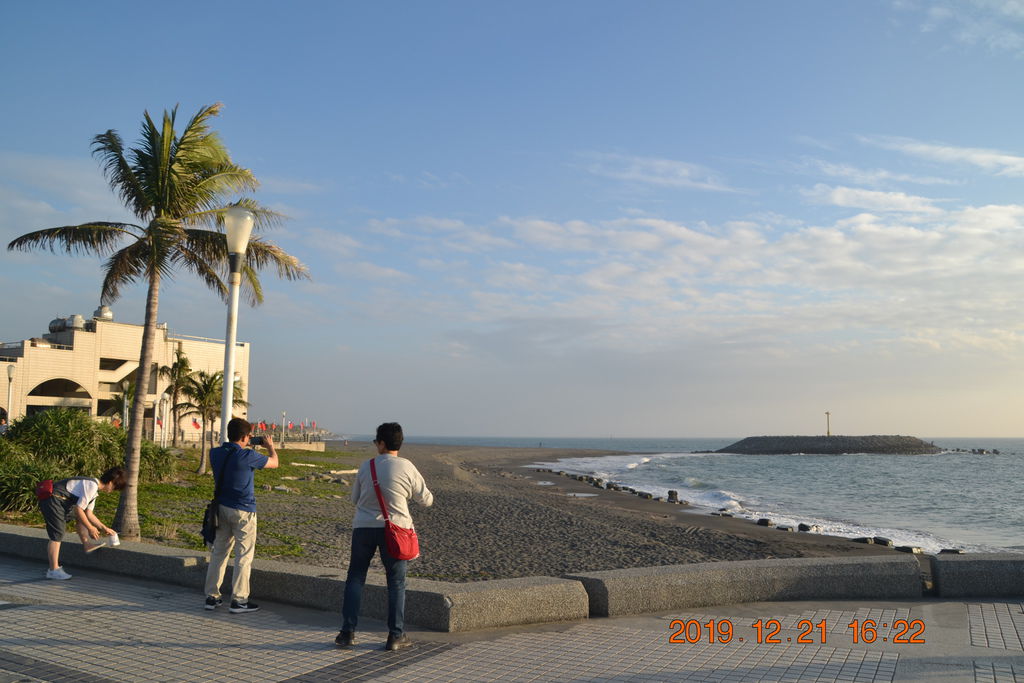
(431, 604)
(652, 589)
(454, 607)
(179, 566)
(1000, 575)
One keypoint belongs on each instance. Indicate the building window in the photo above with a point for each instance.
(111, 363)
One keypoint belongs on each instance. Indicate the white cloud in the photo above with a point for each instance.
(338, 243)
(41, 192)
(570, 236)
(654, 171)
(995, 24)
(365, 270)
(873, 200)
(281, 185)
(874, 177)
(994, 161)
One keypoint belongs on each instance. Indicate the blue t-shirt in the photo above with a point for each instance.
(236, 490)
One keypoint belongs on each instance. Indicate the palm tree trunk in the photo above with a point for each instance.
(202, 453)
(126, 521)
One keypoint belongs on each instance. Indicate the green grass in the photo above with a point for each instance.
(171, 512)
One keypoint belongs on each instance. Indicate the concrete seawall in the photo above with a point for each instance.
(507, 602)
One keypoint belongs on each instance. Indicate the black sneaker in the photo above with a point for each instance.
(213, 603)
(398, 643)
(242, 607)
(345, 639)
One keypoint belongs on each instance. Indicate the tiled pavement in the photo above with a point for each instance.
(100, 627)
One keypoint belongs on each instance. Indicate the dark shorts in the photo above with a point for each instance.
(56, 517)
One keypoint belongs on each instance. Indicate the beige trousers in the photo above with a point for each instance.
(235, 527)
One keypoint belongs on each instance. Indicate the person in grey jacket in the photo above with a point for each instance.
(399, 482)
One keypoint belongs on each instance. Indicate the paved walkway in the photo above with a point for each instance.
(99, 627)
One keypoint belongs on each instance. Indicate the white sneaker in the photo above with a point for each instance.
(58, 574)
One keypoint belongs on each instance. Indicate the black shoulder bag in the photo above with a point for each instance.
(211, 518)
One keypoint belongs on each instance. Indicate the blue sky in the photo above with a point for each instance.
(569, 218)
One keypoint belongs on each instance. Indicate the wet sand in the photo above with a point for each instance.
(491, 519)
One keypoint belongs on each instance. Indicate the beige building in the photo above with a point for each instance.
(81, 363)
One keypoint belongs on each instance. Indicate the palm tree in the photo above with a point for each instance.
(175, 185)
(203, 391)
(177, 374)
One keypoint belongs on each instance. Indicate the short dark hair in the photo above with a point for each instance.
(238, 429)
(390, 434)
(116, 475)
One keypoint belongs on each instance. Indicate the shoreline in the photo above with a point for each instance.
(492, 520)
(840, 526)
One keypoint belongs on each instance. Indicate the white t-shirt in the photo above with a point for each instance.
(399, 481)
(86, 490)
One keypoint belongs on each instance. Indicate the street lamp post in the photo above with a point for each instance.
(238, 225)
(163, 421)
(283, 426)
(10, 392)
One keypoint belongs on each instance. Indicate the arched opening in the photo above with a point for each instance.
(60, 388)
(57, 393)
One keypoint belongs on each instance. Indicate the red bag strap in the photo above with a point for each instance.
(376, 487)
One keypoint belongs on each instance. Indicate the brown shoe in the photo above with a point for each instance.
(345, 639)
(398, 643)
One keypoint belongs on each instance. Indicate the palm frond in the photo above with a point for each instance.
(216, 183)
(122, 268)
(110, 149)
(199, 263)
(251, 286)
(261, 254)
(89, 238)
(199, 144)
(263, 218)
(146, 164)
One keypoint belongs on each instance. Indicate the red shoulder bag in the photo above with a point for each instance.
(402, 543)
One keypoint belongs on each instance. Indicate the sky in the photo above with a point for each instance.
(573, 218)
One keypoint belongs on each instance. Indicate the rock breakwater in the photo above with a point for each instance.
(831, 445)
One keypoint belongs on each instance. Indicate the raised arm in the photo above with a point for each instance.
(85, 525)
(272, 460)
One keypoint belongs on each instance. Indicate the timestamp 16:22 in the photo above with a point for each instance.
(767, 631)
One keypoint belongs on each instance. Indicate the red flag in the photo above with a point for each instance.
(159, 422)
(291, 425)
(196, 424)
(314, 424)
(273, 426)
(263, 426)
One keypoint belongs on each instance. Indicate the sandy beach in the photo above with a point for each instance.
(491, 519)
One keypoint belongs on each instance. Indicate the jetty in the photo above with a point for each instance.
(831, 445)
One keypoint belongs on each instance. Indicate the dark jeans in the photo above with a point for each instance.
(365, 541)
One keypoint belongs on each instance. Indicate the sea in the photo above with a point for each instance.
(954, 499)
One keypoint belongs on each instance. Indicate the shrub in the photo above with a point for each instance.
(70, 440)
(156, 464)
(19, 474)
(63, 443)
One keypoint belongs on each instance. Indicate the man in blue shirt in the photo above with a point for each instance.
(233, 466)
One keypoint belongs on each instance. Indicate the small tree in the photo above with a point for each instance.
(203, 393)
(177, 374)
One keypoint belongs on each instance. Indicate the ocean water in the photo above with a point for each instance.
(949, 500)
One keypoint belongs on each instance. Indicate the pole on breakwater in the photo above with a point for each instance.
(828, 423)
